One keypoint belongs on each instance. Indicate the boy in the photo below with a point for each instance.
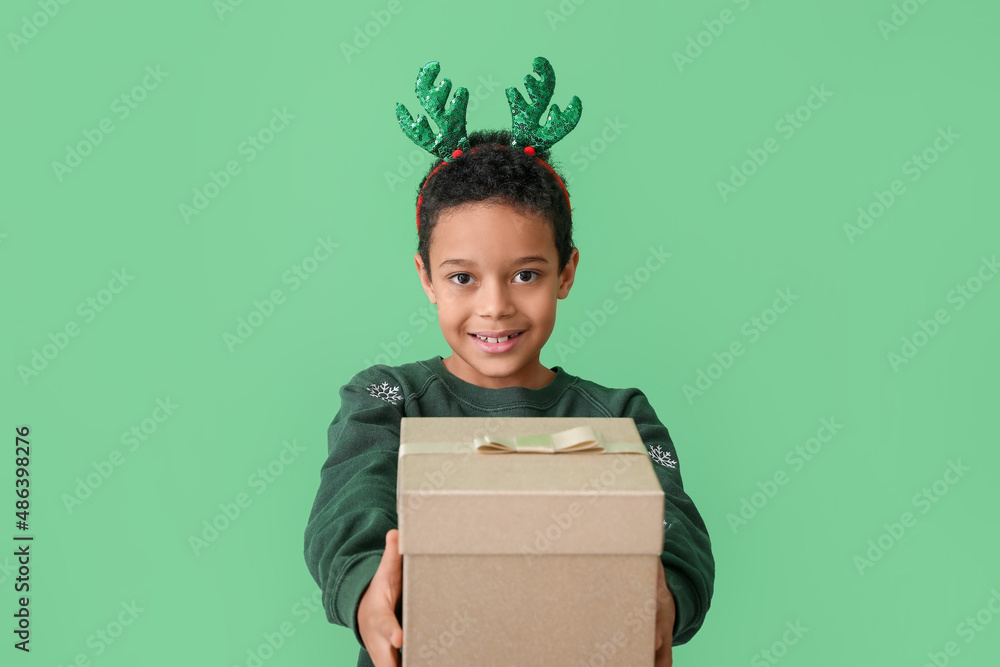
(495, 252)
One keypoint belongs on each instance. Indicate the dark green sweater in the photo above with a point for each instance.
(356, 502)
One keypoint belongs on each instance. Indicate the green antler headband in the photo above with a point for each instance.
(451, 140)
(525, 128)
(450, 121)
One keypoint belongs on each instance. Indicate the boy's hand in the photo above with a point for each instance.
(377, 621)
(665, 612)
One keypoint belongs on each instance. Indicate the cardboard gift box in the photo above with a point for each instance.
(527, 541)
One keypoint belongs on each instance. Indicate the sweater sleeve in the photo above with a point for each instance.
(356, 503)
(687, 549)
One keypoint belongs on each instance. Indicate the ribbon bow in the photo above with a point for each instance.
(577, 439)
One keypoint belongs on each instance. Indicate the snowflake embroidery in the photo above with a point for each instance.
(385, 392)
(664, 458)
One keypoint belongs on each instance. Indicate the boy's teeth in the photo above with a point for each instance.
(493, 340)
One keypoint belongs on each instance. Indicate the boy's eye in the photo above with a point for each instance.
(465, 279)
(530, 273)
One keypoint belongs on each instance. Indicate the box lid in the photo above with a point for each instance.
(451, 498)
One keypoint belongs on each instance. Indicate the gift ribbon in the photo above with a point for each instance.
(577, 439)
(582, 439)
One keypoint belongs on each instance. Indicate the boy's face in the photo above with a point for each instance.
(481, 282)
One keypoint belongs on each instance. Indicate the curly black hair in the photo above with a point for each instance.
(499, 175)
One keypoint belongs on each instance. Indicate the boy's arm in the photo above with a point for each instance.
(356, 503)
(687, 549)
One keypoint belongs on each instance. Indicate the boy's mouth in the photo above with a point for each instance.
(496, 345)
(496, 339)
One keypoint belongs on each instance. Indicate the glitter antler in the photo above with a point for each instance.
(450, 121)
(525, 128)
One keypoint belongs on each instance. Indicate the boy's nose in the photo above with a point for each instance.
(495, 301)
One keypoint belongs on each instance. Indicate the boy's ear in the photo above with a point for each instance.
(568, 274)
(424, 279)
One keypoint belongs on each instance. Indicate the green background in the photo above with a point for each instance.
(342, 171)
